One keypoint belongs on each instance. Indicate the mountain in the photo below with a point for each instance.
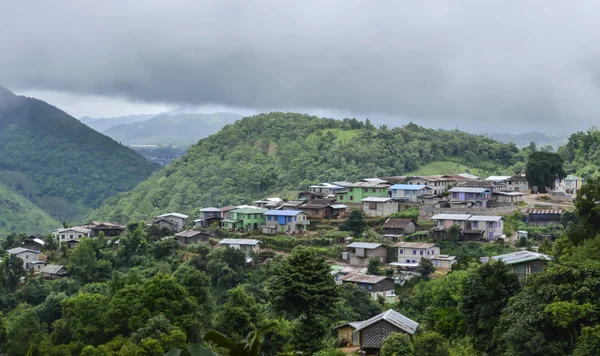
(524, 139)
(179, 130)
(104, 123)
(278, 153)
(17, 214)
(59, 164)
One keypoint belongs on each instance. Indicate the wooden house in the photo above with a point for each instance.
(365, 188)
(478, 197)
(399, 226)
(543, 217)
(189, 237)
(319, 209)
(107, 228)
(375, 285)
(34, 242)
(508, 197)
(172, 221)
(524, 263)
(285, 222)
(408, 192)
(54, 271)
(370, 334)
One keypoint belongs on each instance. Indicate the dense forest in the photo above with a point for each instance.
(149, 294)
(59, 164)
(280, 152)
(181, 130)
(582, 153)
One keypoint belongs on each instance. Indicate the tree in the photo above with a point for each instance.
(453, 233)
(355, 223)
(431, 343)
(425, 267)
(239, 315)
(356, 303)
(303, 288)
(12, 271)
(397, 344)
(197, 284)
(587, 205)
(23, 330)
(543, 168)
(486, 293)
(373, 267)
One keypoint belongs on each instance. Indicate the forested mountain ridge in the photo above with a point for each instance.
(276, 152)
(180, 130)
(59, 164)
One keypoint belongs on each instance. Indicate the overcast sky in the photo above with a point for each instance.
(509, 66)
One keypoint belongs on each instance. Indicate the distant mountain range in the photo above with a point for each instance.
(539, 138)
(53, 168)
(104, 123)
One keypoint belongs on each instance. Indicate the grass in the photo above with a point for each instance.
(446, 167)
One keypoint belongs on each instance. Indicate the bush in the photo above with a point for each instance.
(408, 213)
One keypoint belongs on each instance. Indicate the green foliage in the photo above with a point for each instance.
(275, 152)
(19, 214)
(355, 222)
(425, 267)
(581, 153)
(74, 168)
(408, 213)
(373, 267)
(397, 344)
(431, 343)
(453, 233)
(543, 168)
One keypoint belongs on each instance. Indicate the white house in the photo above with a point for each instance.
(408, 192)
(247, 246)
(172, 221)
(72, 233)
(412, 252)
(29, 257)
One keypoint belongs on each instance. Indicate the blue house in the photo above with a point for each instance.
(408, 192)
(285, 221)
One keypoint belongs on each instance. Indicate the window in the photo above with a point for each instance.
(414, 261)
(402, 252)
(341, 197)
(71, 237)
(454, 195)
(491, 225)
(414, 252)
(374, 190)
(362, 286)
(372, 206)
(351, 190)
(62, 237)
(289, 219)
(407, 261)
(269, 217)
(475, 224)
(352, 197)
(295, 218)
(370, 287)
(421, 253)
(26, 256)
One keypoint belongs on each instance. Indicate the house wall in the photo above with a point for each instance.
(373, 336)
(179, 222)
(410, 195)
(443, 264)
(495, 228)
(287, 223)
(247, 249)
(361, 257)
(408, 229)
(382, 209)
(70, 235)
(523, 270)
(345, 333)
(517, 185)
(438, 187)
(250, 221)
(414, 255)
(27, 258)
(448, 223)
(356, 194)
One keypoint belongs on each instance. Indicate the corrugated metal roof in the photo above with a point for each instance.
(469, 176)
(468, 190)
(39, 241)
(283, 212)
(415, 245)
(177, 215)
(250, 210)
(394, 318)
(339, 206)
(521, 256)
(498, 178)
(396, 223)
(343, 184)
(363, 278)
(509, 193)
(365, 245)
(368, 185)
(376, 200)
(451, 217)
(443, 258)
(227, 208)
(408, 187)
(210, 210)
(189, 233)
(251, 242)
(485, 218)
(544, 211)
(52, 269)
(18, 250)
(374, 180)
(83, 230)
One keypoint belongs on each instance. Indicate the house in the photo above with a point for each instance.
(399, 226)
(292, 204)
(54, 271)
(543, 217)
(491, 227)
(285, 221)
(511, 183)
(338, 272)
(226, 211)
(437, 183)
(172, 221)
(444, 261)
(412, 252)
(107, 228)
(246, 218)
(492, 186)
(323, 209)
(248, 246)
(72, 234)
(308, 196)
(524, 263)
(29, 257)
(478, 197)
(444, 221)
(430, 199)
(359, 253)
(508, 197)
(209, 216)
(572, 184)
(409, 192)
(370, 334)
(189, 237)
(356, 192)
(269, 203)
(34, 242)
(378, 207)
(328, 189)
(375, 285)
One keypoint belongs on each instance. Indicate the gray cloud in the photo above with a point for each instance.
(508, 64)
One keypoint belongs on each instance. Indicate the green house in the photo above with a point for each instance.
(248, 219)
(356, 192)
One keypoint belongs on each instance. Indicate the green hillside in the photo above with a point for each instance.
(59, 164)
(180, 130)
(447, 167)
(18, 214)
(270, 153)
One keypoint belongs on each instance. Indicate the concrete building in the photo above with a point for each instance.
(376, 207)
(359, 253)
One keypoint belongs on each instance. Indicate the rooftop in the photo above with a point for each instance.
(83, 230)
(210, 210)
(396, 223)
(444, 258)
(363, 278)
(451, 217)
(498, 178)
(247, 242)
(509, 193)
(408, 187)
(283, 212)
(249, 210)
(394, 318)
(468, 190)
(365, 245)
(485, 218)
(18, 250)
(521, 256)
(376, 200)
(189, 233)
(368, 185)
(339, 206)
(544, 211)
(52, 269)
(177, 215)
(414, 245)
